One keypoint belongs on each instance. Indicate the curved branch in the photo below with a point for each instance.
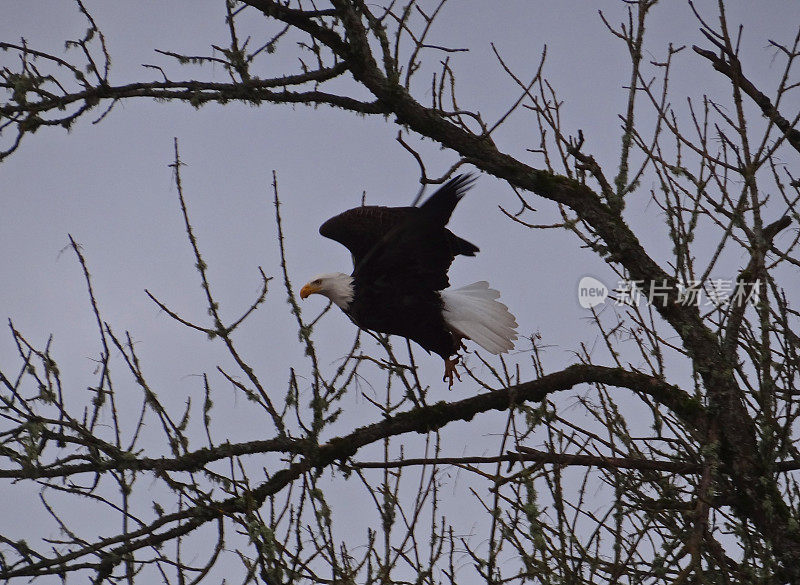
(200, 92)
(730, 66)
(192, 461)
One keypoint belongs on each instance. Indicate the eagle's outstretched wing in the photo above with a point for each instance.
(404, 244)
(361, 228)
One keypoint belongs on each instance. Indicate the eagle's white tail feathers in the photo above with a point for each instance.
(472, 312)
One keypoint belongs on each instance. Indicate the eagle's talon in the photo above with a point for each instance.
(450, 371)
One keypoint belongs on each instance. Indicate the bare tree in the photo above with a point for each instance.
(706, 493)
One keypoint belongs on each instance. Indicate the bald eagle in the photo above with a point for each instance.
(401, 256)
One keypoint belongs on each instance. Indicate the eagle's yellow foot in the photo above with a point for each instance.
(450, 371)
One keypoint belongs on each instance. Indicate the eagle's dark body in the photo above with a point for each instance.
(401, 257)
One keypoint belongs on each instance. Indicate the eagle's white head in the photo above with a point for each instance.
(337, 286)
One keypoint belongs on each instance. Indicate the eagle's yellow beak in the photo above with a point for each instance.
(309, 289)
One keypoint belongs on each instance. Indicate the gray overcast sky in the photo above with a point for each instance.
(109, 185)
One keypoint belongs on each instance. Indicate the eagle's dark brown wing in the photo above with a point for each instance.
(416, 253)
(360, 229)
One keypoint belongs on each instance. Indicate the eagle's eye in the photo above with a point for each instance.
(318, 281)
